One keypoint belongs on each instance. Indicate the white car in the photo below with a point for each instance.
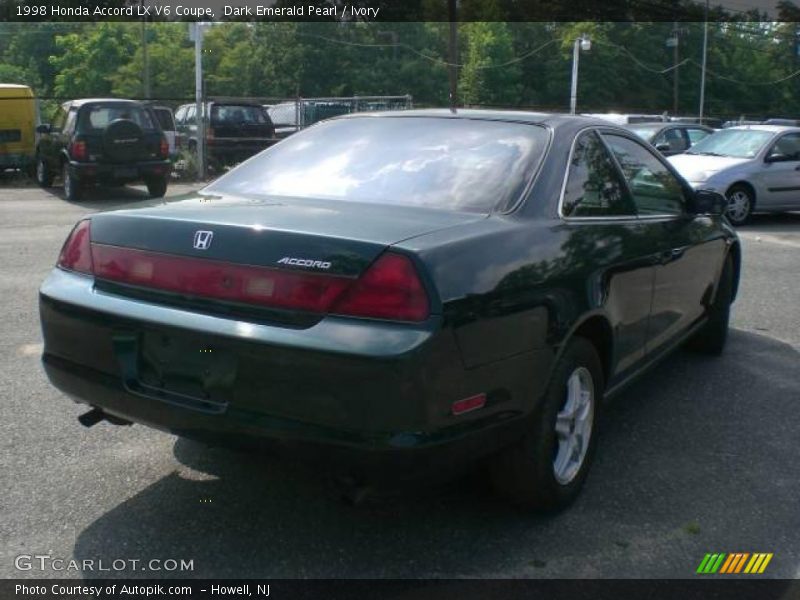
(757, 167)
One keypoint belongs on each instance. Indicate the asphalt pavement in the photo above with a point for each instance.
(700, 456)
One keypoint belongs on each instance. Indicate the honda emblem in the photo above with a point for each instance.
(202, 239)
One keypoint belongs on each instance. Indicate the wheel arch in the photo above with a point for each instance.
(748, 185)
(596, 328)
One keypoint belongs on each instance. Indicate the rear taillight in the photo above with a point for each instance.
(210, 133)
(389, 289)
(78, 150)
(163, 148)
(216, 279)
(76, 254)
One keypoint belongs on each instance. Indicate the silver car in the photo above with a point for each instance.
(757, 167)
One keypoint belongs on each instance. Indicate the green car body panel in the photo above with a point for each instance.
(506, 290)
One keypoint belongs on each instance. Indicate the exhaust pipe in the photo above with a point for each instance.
(94, 416)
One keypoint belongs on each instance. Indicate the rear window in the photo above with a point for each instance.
(457, 164)
(99, 116)
(234, 114)
(165, 119)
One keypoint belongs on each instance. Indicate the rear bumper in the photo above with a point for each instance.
(106, 172)
(375, 394)
(10, 160)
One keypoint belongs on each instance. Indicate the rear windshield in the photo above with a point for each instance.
(235, 114)
(99, 116)
(457, 164)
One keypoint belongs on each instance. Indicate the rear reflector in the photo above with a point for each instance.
(469, 404)
(389, 289)
(76, 253)
(216, 279)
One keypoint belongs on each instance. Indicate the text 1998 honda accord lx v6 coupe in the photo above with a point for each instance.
(407, 289)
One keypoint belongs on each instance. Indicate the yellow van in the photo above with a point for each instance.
(17, 126)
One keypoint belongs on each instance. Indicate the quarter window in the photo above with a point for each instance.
(655, 190)
(594, 187)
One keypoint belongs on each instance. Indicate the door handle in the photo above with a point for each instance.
(672, 254)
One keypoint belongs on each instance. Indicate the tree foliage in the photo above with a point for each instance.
(752, 65)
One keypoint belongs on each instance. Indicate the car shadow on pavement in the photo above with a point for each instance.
(698, 456)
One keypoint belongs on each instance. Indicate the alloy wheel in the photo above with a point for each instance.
(738, 206)
(574, 426)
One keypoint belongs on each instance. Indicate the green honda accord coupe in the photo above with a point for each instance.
(399, 293)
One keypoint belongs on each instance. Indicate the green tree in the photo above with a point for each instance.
(490, 73)
(86, 62)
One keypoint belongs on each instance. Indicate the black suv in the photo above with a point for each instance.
(103, 141)
(235, 131)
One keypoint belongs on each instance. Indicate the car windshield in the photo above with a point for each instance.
(98, 116)
(736, 143)
(645, 132)
(457, 164)
(238, 114)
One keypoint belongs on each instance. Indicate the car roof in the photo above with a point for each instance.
(554, 120)
(84, 101)
(770, 128)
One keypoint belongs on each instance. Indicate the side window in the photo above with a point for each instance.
(674, 139)
(190, 115)
(594, 186)
(695, 135)
(59, 118)
(655, 190)
(787, 148)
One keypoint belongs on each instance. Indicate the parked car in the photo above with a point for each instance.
(235, 131)
(284, 118)
(401, 292)
(671, 138)
(17, 125)
(755, 166)
(712, 122)
(789, 122)
(166, 121)
(102, 140)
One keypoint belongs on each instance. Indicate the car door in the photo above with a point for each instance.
(780, 176)
(605, 238)
(690, 247)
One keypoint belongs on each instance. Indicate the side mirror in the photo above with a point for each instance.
(709, 202)
(43, 128)
(663, 147)
(776, 157)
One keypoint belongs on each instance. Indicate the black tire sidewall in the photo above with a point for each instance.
(524, 473)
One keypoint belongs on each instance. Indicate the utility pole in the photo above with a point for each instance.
(198, 96)
(145, 58)
(703, 72)
(675, 71)
(585, 44)
(452, 53)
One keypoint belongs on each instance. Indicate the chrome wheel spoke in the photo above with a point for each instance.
(573, 426)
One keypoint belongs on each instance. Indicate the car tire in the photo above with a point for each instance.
(73, 191)
(157, 187)
(545, 470)
(741, 202)
(43, 175)
(712, 336)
